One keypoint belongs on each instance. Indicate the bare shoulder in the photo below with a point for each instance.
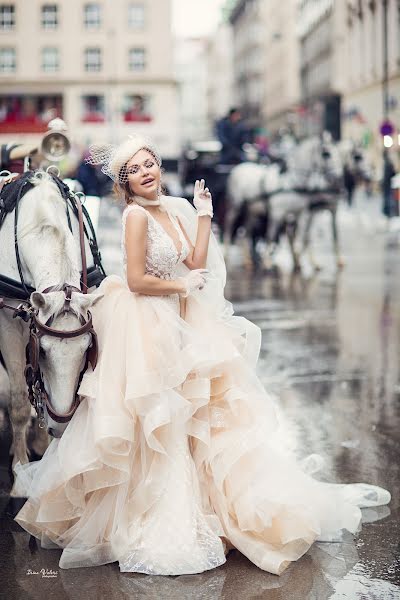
(135, 224)
(134, 213)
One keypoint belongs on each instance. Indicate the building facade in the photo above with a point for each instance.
(266, 62)
(191, 74)
(247, 20)
(364, 108)
(220, 90)
(321, 31)
(105, 67)
(282, 68)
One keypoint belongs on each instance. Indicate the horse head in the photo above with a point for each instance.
(328, 163)
(63, 338)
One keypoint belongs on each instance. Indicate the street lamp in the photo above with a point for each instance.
(387, 167)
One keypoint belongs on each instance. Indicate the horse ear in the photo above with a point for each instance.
(38, 300)
(85, 301)
(95, 298)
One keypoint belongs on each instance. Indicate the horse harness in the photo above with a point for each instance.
(38, 396)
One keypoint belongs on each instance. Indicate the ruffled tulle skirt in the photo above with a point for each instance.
(174, 454)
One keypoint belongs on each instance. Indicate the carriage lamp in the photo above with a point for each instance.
(55, 144)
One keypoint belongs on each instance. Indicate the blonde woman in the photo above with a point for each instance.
(174, 455)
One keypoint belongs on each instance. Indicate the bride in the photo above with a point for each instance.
(174, 455)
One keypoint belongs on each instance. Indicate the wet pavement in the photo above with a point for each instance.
(330, 356)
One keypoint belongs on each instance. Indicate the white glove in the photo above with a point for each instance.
(195, 280)
(202, 199)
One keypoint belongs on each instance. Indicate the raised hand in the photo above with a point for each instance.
(195, 280)
(202, 199)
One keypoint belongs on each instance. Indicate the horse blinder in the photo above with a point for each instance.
(92, 351)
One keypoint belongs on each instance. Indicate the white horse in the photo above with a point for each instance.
(50, 256)
(311, 183)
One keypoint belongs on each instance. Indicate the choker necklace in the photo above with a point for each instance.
(145, 202)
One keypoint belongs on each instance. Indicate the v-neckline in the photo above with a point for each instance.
(180, 234)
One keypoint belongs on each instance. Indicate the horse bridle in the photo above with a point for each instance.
(38, 396)
(37, 392)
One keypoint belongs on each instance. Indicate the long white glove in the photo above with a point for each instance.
(202, 199)
(195, 280)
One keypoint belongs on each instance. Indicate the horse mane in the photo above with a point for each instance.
(46, 219)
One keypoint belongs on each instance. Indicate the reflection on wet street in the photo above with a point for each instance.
(330, 356)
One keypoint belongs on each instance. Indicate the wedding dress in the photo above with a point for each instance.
(174, 454)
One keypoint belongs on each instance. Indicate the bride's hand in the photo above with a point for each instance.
(195, 280)
(202, 199)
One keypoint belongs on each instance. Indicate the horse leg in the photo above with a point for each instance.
(339, 259)
(246, 244)
(272, 233)
(306, 242)
(12, 343)
(41, 438)
(228, 227)
(291, 234)
(20, 414)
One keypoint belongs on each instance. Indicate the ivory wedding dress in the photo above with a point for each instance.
(173, 455)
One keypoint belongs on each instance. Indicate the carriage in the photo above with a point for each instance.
(201, 160)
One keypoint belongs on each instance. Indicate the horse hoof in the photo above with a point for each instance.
(317, 267)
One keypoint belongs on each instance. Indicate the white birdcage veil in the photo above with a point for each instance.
(114, 158)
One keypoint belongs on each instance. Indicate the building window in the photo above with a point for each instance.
(24, 113)
(136, 15)
(50, 60)
(93, 109)
(7, 17)
(92, 15)
(136, 108)
(8, 61)
(93, 60)
(49, 16)
(137, 59)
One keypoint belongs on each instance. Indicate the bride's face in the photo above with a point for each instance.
(144, 175)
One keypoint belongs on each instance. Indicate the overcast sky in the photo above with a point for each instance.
(194, 18)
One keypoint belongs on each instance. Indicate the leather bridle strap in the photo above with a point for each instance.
(82, 245)
(46, 330)
(4, 305)
(61, 418)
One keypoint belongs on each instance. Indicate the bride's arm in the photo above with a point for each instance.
(135, 244)
(197, 257)
(202, 201)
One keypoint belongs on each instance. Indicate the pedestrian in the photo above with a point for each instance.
(88, 177)
(231, 133)
(388, 172)
(349, 181)
(174, 455)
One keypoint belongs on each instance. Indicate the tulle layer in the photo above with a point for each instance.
(174, 454)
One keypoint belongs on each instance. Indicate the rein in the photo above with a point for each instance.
(38, 396)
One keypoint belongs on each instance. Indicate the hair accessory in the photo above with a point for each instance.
(114, 158)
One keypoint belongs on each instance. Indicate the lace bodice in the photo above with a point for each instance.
(162, 256)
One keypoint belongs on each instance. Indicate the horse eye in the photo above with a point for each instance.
(42, 353)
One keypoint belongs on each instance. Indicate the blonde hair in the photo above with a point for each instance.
(123, 190)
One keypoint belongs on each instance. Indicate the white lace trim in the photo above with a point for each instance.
(162, 256)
